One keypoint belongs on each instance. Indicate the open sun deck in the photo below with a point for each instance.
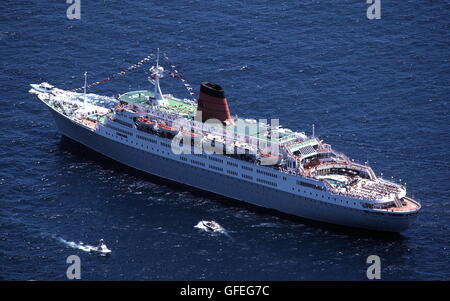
(141, 98)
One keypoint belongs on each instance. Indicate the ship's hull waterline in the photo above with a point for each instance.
(231, 187)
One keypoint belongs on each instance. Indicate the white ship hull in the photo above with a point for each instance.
(159, 163)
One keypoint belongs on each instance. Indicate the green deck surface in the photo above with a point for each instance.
(141, 98)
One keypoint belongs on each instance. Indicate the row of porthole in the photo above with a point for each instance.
(119, 130)
(162, 152)
(215, 159)
(266, 182)
(197, 162)
(310, 193)
(266, 173)
(232, 164)
(232, 173)
(246, 168)
(146, 139)
(220, 169)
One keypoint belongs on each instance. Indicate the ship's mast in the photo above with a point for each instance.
(85, 84)
(157, 72)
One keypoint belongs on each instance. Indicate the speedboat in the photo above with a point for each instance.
(212, 226)
(101, 248)
(43, 87)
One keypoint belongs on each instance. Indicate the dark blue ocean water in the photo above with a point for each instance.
(377, 90)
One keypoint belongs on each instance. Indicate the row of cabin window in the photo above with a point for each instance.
(266, 182)
(334, 199)
(198, 162)
(215, 167)
(123, 123)
(313, 186)
(231, 172)
(146, 139)
(247, 176)
(211, 158)
(119, 130)
(267, 173)
(232, 164)
(215, 159)
(246, 168)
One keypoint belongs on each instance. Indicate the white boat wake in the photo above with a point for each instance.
(81, 246)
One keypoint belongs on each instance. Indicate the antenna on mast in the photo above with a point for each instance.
(157, 72)
(157, 57)
(85, 84)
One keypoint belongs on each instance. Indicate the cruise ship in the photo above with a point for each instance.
(200, 144)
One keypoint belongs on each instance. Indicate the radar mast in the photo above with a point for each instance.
(157, 72)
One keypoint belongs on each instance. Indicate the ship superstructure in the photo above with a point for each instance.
(200, 144)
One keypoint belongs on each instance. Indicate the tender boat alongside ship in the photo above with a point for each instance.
(244, 159)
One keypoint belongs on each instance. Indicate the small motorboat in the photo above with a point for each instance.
(101, 248)
(43, 87)
(212, 226)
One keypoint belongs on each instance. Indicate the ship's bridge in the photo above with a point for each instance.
(305, 148)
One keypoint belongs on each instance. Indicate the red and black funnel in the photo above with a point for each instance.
(212, 103)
